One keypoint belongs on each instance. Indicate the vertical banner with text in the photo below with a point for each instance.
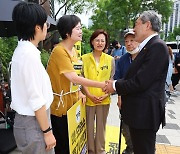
(78, 48)
(112, 140)
(77, 129)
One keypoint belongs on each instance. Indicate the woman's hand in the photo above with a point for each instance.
(49, 140)
(101, 98)
(94, 99)
(82, 96)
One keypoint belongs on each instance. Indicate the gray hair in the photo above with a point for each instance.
(153, 17)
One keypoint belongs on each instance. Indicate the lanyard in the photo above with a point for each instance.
(63, 94)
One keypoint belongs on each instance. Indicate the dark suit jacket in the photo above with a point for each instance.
(143, 88)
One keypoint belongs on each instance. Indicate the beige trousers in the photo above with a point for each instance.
(96, 136)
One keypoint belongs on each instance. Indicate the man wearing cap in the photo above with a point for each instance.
(124, 62)
(122, 66)
(142, 88)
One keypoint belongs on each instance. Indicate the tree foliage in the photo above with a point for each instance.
(85, 46)
(74, 6)
(44, 57)
(115, 16)
(7, 46)
(172, 36)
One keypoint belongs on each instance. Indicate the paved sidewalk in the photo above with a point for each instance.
(168, 138)
(170, 134)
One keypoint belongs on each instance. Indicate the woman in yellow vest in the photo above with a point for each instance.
(98, 66)
(64, 79)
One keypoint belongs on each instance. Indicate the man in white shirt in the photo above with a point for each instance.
(30, 84)
(143, 88)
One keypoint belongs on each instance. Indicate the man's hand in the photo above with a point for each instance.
(49, 140)
(109, 87)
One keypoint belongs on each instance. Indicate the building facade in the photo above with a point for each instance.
(174, 19)
(47, 4)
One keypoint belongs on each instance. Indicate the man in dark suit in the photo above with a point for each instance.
(143, 88)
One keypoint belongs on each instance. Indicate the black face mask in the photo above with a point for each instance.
(116, 47)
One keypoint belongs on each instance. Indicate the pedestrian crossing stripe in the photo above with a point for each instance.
(112, 140)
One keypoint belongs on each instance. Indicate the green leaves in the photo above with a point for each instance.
(172, 36)
(85, 46)
(7, 46)
(44, 57)
(117, 15)
(75, 6)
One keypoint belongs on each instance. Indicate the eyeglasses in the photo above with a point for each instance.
(48, 25)
(99, 41)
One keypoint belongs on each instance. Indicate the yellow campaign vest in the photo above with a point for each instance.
(77, 65)
(102, 72)
(78, 68)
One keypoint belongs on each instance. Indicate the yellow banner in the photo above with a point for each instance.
(77, 129)
(112, 140)
(78, 48)
(78, 68)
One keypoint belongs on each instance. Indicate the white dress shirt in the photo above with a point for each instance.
(143, 43)
(30, 83)
(141, 46)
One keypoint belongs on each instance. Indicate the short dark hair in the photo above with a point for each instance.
(26, 16)
(66, 23)
(95, 34)
(114, 43)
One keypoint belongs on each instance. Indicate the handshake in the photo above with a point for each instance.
(108, 87)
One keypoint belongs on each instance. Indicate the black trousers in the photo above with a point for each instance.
(143, 140)
(175, 79)
(60, 131)
(127, 136)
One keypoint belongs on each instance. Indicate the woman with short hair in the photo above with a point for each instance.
(30, 84)
(62, 71)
